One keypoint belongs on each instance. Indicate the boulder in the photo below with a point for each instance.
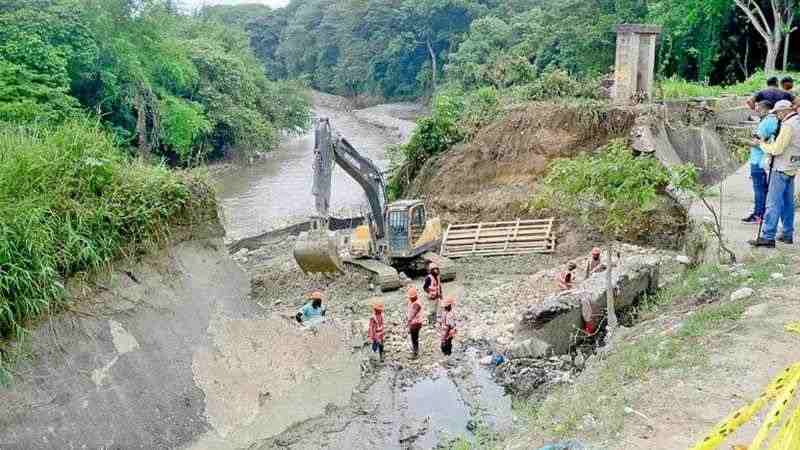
(557, 319)
(529, 348)
(742, 293)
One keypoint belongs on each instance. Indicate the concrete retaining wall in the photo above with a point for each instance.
(550, 327)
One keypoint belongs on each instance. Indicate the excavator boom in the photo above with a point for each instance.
(316, 250)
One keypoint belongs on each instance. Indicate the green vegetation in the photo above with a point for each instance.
(84, 85)
(676, 88)
(562, 414)
(483, 439)
(184, 88)
(410, 48)
(652, 356)
(71, 200)
(625, 188)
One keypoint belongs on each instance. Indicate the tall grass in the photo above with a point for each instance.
(70, 200)
(676, 88)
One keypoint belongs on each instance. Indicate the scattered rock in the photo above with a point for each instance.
(683, 259)
(742, 293)
(756, 310)
(529, 348)
(776, 276)
(579, 361)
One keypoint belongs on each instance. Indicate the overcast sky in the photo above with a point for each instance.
(193, 4)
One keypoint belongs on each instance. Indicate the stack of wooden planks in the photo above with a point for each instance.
(499, 238)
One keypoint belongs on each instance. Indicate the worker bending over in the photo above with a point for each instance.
(312, 311)
(594, 265)
(566, 278)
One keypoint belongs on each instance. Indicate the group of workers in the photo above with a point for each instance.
(566, 281)
(774, 161)
(440, 315)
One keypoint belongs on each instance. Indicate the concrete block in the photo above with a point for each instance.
(557, 319)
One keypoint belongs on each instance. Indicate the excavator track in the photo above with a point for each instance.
(385, 276)
(447, 268)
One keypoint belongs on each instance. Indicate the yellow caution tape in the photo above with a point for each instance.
(785, 381)
(782, 390)
(776, 413)
(793, 327)
(789, 436)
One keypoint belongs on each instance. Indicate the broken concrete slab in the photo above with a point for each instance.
(556, 321)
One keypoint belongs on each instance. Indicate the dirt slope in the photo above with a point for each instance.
(494, 175)
(171, 353)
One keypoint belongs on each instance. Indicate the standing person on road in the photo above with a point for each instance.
(414, 319)
(786, 162)
(376, 332)
(447, 326)
(767, 129)
(433, 290)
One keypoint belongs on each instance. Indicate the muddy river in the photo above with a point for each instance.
(393, 407)
(276, 191)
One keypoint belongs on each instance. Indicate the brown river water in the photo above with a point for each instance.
(276, 191)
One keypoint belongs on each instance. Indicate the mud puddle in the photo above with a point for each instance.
(396, 409)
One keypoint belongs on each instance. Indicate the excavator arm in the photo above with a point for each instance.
(329, 149)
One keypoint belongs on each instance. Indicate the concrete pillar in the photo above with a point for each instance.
(635, 62)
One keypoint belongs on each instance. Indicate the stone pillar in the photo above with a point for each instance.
(635, 62)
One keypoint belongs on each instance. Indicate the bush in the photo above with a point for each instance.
(70, 200)
(612, 189)
(677, 88)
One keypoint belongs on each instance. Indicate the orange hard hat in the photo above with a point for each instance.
(377, 305)
(316, 295)
(412, 292)
(448, 301)
(595, 251)
(433, 266)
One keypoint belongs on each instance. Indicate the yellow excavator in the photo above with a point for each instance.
(397, 235)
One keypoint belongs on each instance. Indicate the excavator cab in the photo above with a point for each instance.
(409, 232)
(397, 235)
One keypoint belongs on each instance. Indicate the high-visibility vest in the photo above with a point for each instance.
(435, 288)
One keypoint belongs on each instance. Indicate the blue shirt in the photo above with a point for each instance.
(309, 312)
(767, 129)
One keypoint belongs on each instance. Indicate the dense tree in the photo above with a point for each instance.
(179, 86)
(773, 30)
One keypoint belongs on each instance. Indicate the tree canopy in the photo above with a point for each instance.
(184, 87)
(405, 48)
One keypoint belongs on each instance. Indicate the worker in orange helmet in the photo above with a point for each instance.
(312, 311)
(447, 325)
(433, 290)
(567, 277)
(594, 265)
(376, 330)
(414, 319)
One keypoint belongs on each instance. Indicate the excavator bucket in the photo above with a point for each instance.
(316, 251)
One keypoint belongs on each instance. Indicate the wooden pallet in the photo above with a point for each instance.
(499, 238)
